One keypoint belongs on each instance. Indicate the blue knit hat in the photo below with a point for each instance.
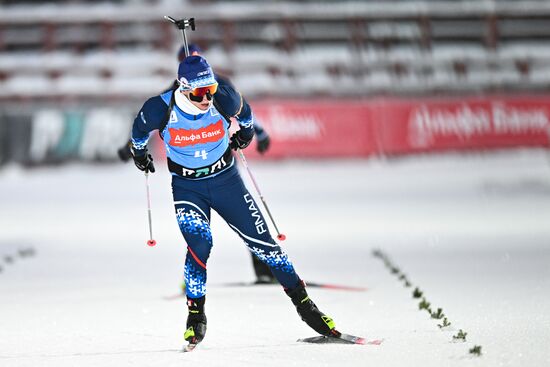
(195, 72)
(192, 49)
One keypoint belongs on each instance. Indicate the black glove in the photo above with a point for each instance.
(125, 152)
(144, 162)
(263, 144)
(239, 140)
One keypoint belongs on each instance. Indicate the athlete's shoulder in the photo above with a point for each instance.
(223, 80)
(229, 99)
(157, 103)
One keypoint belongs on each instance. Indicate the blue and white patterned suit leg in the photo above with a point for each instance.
(233, 202)
(193, 216)
(227, 195)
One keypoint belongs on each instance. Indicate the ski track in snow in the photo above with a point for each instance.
(471, 231)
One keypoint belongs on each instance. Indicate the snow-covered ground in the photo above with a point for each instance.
(471, 231)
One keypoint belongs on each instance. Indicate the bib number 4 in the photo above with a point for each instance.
(201, 154)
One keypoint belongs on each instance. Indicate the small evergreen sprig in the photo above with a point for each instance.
(417, 293)
(476, 350)
(461, 335)
(444, 324)
(424, 305)
(438, 314)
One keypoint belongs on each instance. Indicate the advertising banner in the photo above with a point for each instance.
(318, 128)
(332, 128)
(473, 123)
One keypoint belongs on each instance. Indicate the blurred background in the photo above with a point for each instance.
(417, 127)
(388, 77)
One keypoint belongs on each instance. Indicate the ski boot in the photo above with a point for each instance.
(309, 312)
(196, 321)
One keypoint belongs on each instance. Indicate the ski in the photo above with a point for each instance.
(328, 286)
(336, 287)
(340, 338)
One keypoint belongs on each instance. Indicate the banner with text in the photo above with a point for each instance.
(298, 128)
(399, 126)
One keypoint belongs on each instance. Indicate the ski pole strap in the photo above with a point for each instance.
(225, 161)
(168, 112)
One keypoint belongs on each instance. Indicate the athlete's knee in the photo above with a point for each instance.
(192, 222)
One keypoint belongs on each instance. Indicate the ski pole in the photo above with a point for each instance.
(280, 236)
(151, 242)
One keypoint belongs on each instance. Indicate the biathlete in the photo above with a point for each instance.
(204, 178)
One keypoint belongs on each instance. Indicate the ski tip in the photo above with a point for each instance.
(336, 287)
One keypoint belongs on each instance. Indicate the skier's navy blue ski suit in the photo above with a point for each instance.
(204, 177)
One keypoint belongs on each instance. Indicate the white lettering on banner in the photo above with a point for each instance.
(497, 118)
(105, 130)
(463, 122)
(260, 224)
(47, 130)
(211, 134)
(507, 119)
(287, 126)
(191, 137)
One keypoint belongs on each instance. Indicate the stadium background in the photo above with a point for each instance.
(387, 77)
(456, 91)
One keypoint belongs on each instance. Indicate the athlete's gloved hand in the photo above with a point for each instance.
(262, 139)
(263, 144)
(125, 152)
(143, 161)
(239, 140)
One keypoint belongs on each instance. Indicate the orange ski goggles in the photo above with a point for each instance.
(205, 91)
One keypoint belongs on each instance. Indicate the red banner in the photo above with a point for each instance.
(474, 123)
(335, 128)
(340, 128)
(315, 128)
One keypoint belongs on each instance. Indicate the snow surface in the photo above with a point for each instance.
(471, 231)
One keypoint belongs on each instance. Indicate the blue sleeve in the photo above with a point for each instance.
(149, 118)
(233, 104)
